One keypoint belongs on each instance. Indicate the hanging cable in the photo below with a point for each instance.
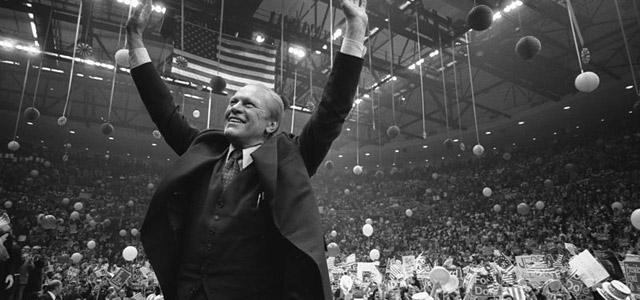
(295, 87)
(115, 72)
(73, 61)
(626, 45)
(444, 86)
(357, 132)
(24, 87)
(331, 34)
(44, 46)
(573, 32)
(209, 110)
(282, 17)
(473, 97)
(419, 61)
(393, 105)
(455, 83)
(220, 36)
(369, 53)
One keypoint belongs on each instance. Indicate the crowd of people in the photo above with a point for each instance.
(578, 189)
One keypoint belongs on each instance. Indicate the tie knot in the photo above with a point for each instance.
(236, 154)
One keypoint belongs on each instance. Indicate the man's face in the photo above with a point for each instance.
(247, 118)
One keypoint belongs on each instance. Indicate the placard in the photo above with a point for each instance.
(588, 268)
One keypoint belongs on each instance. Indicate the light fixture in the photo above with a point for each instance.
(567, 107)
(628, 87)
(72, 132)
(521, 123)
(488, 133)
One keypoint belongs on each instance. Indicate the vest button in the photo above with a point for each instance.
(216, 218)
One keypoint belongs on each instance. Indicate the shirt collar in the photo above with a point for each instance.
(246, 154)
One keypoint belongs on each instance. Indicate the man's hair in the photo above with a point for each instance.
(53, 284)
(275, 105)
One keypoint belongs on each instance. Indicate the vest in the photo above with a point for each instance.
(231, 245)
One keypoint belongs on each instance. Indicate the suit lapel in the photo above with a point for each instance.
(265, 159)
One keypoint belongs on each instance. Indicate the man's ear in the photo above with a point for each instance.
(272, 126)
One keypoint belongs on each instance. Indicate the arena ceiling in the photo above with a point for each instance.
(517, 101)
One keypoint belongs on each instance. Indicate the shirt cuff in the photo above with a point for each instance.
(138, 56)
(353, 47)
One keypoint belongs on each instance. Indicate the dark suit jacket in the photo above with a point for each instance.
(45, 296)
(284, 162)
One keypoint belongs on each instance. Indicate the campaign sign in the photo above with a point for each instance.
(482, 286)
(632, 273)
(120, 278)
(524, 261)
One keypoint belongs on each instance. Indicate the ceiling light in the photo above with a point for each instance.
(628, 87)
(72, 132)
(340, 155)
(521, 123)
(29, 123)
(488, 133)
(425, 146)
(260, 38)
(111, 138)
(397, 151)
(154, 144)
(367, 154)
(567, 107)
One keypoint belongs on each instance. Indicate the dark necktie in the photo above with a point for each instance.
(231, 168)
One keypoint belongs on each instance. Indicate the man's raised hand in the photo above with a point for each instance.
(137, 23)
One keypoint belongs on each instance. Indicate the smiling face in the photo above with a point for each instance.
(249, 118)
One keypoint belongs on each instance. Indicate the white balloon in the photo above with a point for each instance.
(587, 82)
(367, 230)
(408, 212)
(487, 192)
(478, 150)
(129, 253)
(357, 170)
(368, 221)
(374, 254)
(122, 58)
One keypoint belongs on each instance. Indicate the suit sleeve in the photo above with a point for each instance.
(156, 97)
(326, 122)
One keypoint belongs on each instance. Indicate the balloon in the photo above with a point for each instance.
(439, 274)
(528, 47)
(333, 249)
(478, 150)
(47, 164)
(122, 58)
(480, 17)
(587, 82)
(129, 253)
(31, 114)
(123, 232)
(334, 233)
(65, 157)
(393, 131)
(346, 282)
(523, 209)
(8, 204)
(34, 173)
(374, 254)
(156, 134)
(357, 170)
(548, 183)
(497, 208)
(368, 221)
(78, 206)
(451, 285)
(196, 114)
(65, 201)
(134, 232)
(76, 257)
(435, 176)
(74, 215)
(506, 156)
(379, 174)
(106, 128)
(616, 205)
(408, 212)
(487, 192)
(93, 223)
(39, 218)
(463, 147)
(218, 84)
(13, 146)
(393, 171)
(62, 121)
(569, 167)
(540, 205)
(328, 165)
(367, 230)
(130, 203)
(448, 144)
(635, 218)
(106, 222)
(347, 192)
(91, 244)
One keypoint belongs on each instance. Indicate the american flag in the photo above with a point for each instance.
(241, 61)
(351, 259)
(516, 292)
